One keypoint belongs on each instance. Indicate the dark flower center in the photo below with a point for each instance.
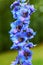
(26, 54)
(18, 62)
(29, 34)
(19, 27)
(25, 14)
(19, 48)
(21, 39)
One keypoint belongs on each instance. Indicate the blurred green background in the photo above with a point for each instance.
(5, 42)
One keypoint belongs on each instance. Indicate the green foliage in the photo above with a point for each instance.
(6, 18)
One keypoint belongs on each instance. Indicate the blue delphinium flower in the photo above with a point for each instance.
(19, 36)
(15, 8)
(16, 23)
(31, 8)
(22, 11)
(18, 40)
(18, 46)
(21, 33)
(29, 33)
(30, 45)
(24, 14)
(25, 55)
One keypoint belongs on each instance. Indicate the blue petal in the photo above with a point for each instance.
(23, 0)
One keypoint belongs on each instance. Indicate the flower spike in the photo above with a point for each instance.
(21, 33)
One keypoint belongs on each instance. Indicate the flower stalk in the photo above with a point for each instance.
(21, 33)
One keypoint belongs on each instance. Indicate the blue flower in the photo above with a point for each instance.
(15, 5)
(23, 14)
(16, 26)
(13, 31)
(19, 40)
(30, 8)
(30, 45)
(25, 55)
(25, 26)
(15, 14)
(22, 11)
(18, 46)
(14, 39)
(29, 52)
(30, 33)
(18, 36)
(16, 23)
(22, 36)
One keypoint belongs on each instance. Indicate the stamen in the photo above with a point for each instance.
(21, 39)
(29, 34)
(19, 27)
(25, 14)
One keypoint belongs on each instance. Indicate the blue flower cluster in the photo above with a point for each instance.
(21, 33)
